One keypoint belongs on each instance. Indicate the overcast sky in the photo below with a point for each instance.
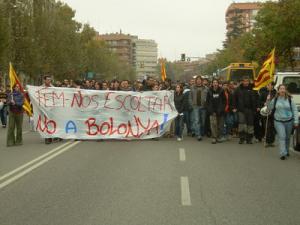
(194, 27)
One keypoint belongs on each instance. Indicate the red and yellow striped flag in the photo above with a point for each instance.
(163, 71)
(15, 80)
(266, 74)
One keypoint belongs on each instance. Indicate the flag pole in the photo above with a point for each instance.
(266, 126)
(10, 80)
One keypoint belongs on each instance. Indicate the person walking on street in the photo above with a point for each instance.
(232, 86)
(15, 101)
(198, 95)
(285, 118)
(3, 107)
(188, 110)
(167, 86)
(258, 120)
(268, 121)
(244, 102)
(229, 118)
(215, 103)
(179, 105)
(47, 83)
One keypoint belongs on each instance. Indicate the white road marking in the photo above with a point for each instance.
(185, 192)
(182, 156)
(34, 161)
(28, 170)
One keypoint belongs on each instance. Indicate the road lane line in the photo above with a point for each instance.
(185, 192)
(28, 170)
(182, 156)
(33, 161)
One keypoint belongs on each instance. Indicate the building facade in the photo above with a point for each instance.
(141, 54)
(145, 58)
(121, 45)
(245, 13)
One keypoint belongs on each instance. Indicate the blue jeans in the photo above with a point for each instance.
(198, 120)
(3, 115)
(229, 123)
(284, 131)
(187, 120)
(179, 126)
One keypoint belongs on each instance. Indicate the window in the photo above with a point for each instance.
(292, 84)
(239, 74)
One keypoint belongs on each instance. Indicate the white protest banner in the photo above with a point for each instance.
(69, 113)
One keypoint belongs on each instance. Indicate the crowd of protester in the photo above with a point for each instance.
(206, 109)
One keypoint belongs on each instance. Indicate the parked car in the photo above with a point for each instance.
(292, 81)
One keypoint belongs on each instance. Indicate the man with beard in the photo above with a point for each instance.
(244, 103)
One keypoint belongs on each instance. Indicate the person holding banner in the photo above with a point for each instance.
(15, 101)
(179, 105)
(125, 86)
(47, 83)
(285, 118)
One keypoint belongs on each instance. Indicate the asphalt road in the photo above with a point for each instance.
(147, 183)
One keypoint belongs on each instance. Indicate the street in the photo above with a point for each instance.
(147, 182)
(105, 109)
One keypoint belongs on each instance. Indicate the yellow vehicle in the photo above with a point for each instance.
(237, 71)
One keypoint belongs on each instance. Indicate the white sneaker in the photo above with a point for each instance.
(179, 139)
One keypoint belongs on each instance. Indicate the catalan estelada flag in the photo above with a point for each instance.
(163, 71)
(15, 80)
(266, 74)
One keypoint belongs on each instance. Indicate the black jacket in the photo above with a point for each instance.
(263, 94)
(179, 102)
(215, 101)
(245, 99)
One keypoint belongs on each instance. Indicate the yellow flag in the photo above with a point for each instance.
(266, 74)
(163, 71)
(15, 80)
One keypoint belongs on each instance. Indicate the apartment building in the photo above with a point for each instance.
(245, 12)
(121, 44)
(145, 58)
(141, 54)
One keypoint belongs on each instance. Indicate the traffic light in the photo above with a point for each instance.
(183, 57)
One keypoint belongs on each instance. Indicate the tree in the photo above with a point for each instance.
(278, 25)
(235, 28)
(3, 37)
(234, 52)
(42, 37)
